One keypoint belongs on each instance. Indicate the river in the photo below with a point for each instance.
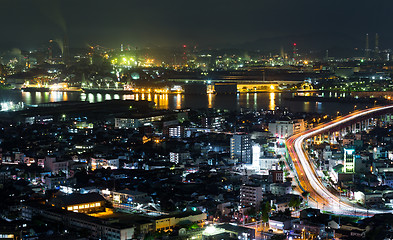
(254, 101)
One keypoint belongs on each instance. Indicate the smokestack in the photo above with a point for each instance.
(376, 46)
(66, 51)
(367, 49)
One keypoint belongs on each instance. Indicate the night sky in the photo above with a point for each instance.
(206, 23)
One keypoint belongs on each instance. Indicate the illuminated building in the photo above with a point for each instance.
(98, 163)
(97, 228)
(228, 231)
(179, 157)
(50, 164)
(176, 131)
(167, 222)
(82, 203)
(284, 129)
(250, 195)
(136, 121)
(349, 160)
(133, 198)
(241, 148)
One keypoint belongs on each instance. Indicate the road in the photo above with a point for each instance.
(320, 196)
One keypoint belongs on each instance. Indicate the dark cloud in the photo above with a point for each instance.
(27, 23)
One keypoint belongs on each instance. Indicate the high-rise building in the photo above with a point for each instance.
(241, 148)
(349, 160)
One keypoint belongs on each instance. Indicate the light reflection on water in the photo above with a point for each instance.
(255, 101)
(272, 101)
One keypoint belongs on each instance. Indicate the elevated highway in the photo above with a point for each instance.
(308, 180)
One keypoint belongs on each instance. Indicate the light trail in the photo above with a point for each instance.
(313, 184)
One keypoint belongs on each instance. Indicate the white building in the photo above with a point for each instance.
(176, 131)
(281, 189)
(179, 157)
(250, 195)
(50, 164)
(97, 163)
(284, 129)
(263, 163)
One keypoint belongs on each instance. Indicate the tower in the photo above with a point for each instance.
(50, 51)
(185, 60)
(367, 49)
(295, 55)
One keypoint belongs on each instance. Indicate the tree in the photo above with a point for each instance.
(305, 195)
(278, 237)
(294, 202)
(265, 210)
(252, 212)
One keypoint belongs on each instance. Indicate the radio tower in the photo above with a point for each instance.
(294, 52)
(50, 51)
(185, 60)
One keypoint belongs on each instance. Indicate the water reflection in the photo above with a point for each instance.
(46, 97)
(306, 106)
(128, 97)
(272, 101)
(27, 97)
(163, 103)
(176, 101)
(38, 97)
(255, 101)
(90, 97)
(55, 97)
(210, 100)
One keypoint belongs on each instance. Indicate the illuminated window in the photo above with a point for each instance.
(92, 205)
(81, 206)
(69, 208)
(87, 206)
(75, 207)
(98, 204)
